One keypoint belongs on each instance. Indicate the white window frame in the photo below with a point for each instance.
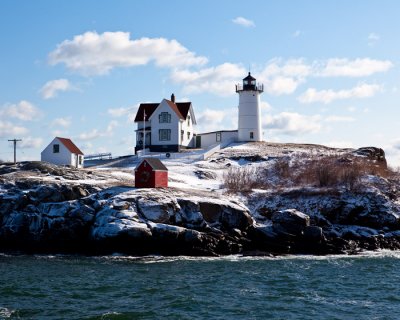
(164, 117)
(164, 134)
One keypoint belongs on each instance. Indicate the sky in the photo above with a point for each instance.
(79, 69)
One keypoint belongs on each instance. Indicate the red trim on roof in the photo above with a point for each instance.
(174, 107)
(70, 145)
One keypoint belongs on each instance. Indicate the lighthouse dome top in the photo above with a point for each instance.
(249, 84)
(249, 78)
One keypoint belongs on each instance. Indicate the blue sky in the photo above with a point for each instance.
(79, 69)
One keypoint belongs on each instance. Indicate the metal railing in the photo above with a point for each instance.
(100, 156)
(256, 87)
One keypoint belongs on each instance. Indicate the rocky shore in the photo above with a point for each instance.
(42, 213)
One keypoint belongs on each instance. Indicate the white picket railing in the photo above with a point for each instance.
(188, 157)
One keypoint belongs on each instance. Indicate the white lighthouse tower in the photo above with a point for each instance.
(249, 128)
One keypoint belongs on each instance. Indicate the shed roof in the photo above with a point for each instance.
(70, 145)
(155, 163)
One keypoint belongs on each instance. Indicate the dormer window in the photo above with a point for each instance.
(164, 117)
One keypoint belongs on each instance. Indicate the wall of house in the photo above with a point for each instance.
(173, 125)
(61, 158)
(209, 139)
(187, 126)
(75, 160)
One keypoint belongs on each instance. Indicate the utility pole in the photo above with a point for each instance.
(15, 148)
(144, 131)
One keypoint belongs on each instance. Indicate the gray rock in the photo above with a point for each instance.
(190, 212)
(290, 220)
(159, 208)
(313, 233)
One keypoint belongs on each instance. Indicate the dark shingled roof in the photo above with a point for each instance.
(155, 163)
(180, 108)
(184, 108)
(70, 145)
(149, 108)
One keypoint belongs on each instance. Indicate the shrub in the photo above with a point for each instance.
(240, 179)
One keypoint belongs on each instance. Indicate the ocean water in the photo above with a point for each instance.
(118, 287)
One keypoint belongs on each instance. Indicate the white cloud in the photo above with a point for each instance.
(58, 133)
(95, 133)
(353, 68)
(93, 54)
(290, 68)
(214, 120)
(352, 109)
(51, 88)
(111, 126)
(243, 22)
(129, 112)
(296, 34)
(283, 77)
(61, 122)
(31, 143)
(392, 153)
(339, 119)
(91, 135)
(265, 106)
(87, 147)
(219, 80)
(373, 38)
(118, 112)
(10, 130)
(291, 123)
(22, 110)
(339, 144)
(327, 96)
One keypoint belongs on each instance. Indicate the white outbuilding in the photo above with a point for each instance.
(62, 151)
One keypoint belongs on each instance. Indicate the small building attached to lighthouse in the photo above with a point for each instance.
(249, 127)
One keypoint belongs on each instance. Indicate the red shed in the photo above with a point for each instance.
(151, 173)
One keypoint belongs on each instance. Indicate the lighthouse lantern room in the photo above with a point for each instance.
(249, 128)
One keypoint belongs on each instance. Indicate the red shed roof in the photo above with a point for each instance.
(70, 145)
(155, 163)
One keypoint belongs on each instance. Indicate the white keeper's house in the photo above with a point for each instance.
(62, 151)
(167, 126)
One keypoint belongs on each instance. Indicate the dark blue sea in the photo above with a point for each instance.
(118, 287)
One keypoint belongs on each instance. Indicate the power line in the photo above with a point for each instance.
(15, 148)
